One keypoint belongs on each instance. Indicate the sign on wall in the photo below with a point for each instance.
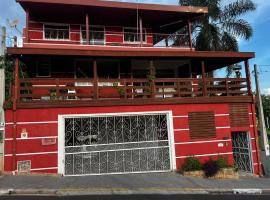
(48, 141)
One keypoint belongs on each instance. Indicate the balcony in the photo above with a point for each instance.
(103, 37)
(50, 91)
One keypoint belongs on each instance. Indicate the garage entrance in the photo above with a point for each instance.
(116, 144)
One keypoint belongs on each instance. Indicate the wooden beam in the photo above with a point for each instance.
(203, 79)
(27, 26)
(247, 70)
(16, 83)
(137, 102)
(152, 73)
(95, 84)
(141, 32)
(87, 29)
(236, 57)
(190, 34)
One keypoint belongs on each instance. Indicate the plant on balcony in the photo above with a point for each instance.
(121, 91)
(53, 94)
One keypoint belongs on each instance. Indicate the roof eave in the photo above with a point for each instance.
(124, 5)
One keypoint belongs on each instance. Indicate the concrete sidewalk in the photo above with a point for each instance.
(151, 183)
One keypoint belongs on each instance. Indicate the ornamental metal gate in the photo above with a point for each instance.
(116, 144)
(242, 151)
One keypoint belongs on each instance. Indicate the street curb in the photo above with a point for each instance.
(125, 191)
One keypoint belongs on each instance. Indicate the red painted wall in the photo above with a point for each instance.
(43, 123)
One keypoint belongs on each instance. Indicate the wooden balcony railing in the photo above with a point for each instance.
(31, 90)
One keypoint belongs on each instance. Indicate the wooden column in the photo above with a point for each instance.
(152, 73)
(204, 79)
(247, 69)
(95, 84)
(189, 34)
(27, 27)
(141, 32)
(87, 29)
(14, 115)
(16, 83)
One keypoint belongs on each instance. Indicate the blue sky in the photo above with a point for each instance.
(260, 20)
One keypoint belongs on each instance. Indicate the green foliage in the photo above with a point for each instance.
(222, 162)
(266, 105)
(219, 30)
(191, 164)
(121, 91)
(210, 168)
(8, 64)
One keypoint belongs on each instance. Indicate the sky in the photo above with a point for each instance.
(259, 19)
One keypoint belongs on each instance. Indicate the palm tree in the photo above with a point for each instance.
(222, 27)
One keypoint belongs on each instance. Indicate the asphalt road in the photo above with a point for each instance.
(143, 197)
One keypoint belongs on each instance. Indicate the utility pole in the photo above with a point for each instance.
(263, 132)
(3, 40)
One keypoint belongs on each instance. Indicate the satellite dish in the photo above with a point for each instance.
(14, 23)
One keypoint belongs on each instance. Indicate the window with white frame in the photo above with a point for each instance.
(43, 67)
(56, 32)
(96, 34)
(132, 35)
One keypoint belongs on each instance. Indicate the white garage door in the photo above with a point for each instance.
(116, 144)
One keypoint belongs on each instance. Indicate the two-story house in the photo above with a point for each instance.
(113, 87)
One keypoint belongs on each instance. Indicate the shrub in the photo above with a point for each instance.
(210, 168)
(191, 164)
(222, 162)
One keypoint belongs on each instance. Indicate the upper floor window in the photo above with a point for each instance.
(56, 32)
(132, 35)
(96, 34)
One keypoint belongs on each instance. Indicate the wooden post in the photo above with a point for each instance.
(141, 32)
(87, 29)
(95, 84)
(15, 41)
(152, 74)
(189, 34)
(247, 69)
(57, 89)
(203, 79)
(227, 88)
(16, 83)
(27, 27)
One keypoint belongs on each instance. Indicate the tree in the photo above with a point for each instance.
(223, 26)
(266, 105)
(7, 63)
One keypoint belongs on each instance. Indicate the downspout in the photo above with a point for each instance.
(14, 114)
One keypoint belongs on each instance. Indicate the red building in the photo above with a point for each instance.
(116, 87)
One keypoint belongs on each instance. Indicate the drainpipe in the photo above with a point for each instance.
(14, 114)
